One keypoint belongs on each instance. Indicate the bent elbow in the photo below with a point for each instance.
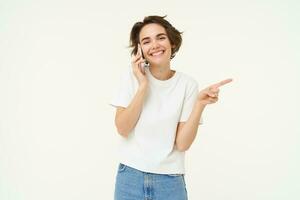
(182, 148)
(122, 132)
(120, 129)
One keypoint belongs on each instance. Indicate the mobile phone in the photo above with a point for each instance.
(146, 63)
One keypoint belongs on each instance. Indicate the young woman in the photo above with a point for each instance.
(158, 113)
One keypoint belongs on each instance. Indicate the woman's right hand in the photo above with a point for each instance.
(138, 70)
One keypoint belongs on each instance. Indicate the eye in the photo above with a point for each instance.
(146, 42)
(162, 38)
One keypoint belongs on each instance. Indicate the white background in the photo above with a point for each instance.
(60, 63)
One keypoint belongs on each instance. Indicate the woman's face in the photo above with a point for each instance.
(155, 44)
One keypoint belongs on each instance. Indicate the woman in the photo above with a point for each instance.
(158, 113)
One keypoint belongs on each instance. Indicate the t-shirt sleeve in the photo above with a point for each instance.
(189, 101)
(124, 93)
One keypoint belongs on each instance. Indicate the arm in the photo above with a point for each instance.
(126, 118)
(186, 131)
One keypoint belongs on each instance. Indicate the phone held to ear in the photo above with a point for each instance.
(146, 63)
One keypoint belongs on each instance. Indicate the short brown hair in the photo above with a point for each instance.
(173, 34)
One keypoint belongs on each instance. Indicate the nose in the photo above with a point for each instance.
(154, 44)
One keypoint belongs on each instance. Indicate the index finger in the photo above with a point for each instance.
(138, 54)
(221, 83)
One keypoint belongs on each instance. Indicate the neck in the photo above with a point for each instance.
(161, 72)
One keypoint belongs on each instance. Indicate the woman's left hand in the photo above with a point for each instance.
(210, 94)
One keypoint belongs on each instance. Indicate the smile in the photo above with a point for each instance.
(157, 53)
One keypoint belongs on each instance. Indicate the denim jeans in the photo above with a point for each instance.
(132, 184)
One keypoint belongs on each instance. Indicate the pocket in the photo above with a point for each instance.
(121, 167)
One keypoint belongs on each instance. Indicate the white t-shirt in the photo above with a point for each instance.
(150, 145)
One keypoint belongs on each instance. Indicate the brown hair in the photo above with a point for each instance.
(173, 34)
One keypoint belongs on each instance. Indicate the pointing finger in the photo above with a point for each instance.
(221, 83)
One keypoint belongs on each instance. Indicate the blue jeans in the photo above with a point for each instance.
(132, 184)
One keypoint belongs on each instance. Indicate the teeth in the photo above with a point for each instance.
(157, 53)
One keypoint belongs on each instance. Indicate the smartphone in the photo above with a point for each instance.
(146, 63)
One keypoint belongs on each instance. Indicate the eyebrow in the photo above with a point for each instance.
(160, 34)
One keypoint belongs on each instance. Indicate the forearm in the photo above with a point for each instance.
(128, 118)
(186, 135)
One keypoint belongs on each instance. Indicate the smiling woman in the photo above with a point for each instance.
(158, 113)
(173, 35)
(156, 46)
